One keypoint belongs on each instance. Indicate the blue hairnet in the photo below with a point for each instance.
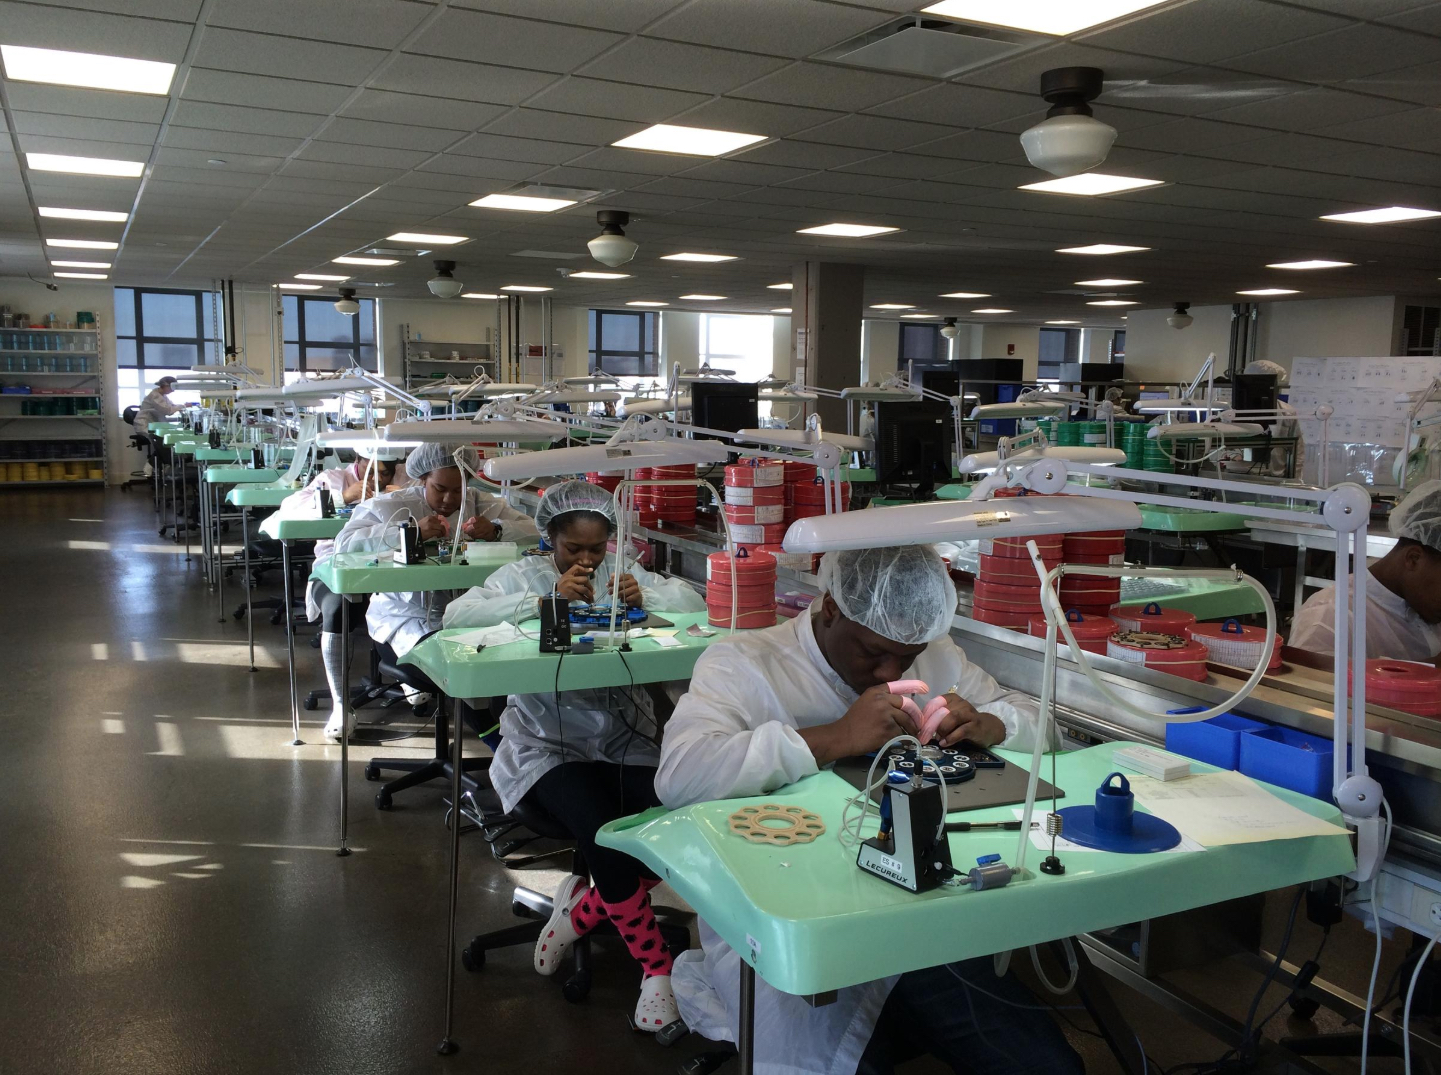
(1418, 517)
(573, 495)
(900, 592)
(436, 456)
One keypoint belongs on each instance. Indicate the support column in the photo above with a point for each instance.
(826, 309)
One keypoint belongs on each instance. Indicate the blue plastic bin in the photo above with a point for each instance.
(1289, 759)
(1216, 741)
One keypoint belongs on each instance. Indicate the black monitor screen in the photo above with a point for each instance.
(1254, 392)
(914, 443)
(725, 405)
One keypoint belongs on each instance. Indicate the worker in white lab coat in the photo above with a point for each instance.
(157, 405)
(444, 507)
(1403, 594)
(1284, 427)
(376, 471)
(769, 707)
(586, 757)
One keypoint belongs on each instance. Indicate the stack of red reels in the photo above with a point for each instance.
(645, 510)
(1235, 644)
(607, 481)
(755, 503)
(1008, 590)
(754, 593)
(673, 503)
(1163, 652)
(1093, 595)
(1152, 617)
(1090, 631)
(1404, 685)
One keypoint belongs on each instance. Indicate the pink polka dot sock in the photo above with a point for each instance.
(588, 913)
(635, 922)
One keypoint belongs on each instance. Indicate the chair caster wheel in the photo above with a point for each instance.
(1304, 1008)
(372, 773)
(576, 987)
(472, 957)
(382, 799)
(671, 1033)
(309, 704)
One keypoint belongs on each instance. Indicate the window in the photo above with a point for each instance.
(162, 332)
(1057, 346)
(743, 343)
(921, 343)
(1118, 346)
(1421, 330)
(623, 342)
(320, 339)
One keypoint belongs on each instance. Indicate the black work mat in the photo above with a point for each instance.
(1005, 786)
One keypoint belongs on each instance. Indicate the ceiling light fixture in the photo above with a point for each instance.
(646, 303)
(1270, 291)
(949, 329)
(83, 214)
(60, 162)
(87, 69)
(1063, 322)
(611, 247)
(704, 298)
(1040, 16)
(81, 264)
(1102, 248)
(525, 287)
(992, 310)
(348, 260)
(698, 257)
(848, 231)
(83, 244)
(522, 203)
(444, 285)
(921, 317)
(692, 141)
(82, 275)
(321, 276)
(422, 238)
(1069, 140)
(781, 310)
(1113, 302)
(1091, 184)
(298, 287)
(892, 306)
(1390, 215)
(1316, 263)
(347, 304)
(1106, 282)
(598, 276)
(478, 295)
(1180, 316)
(966, 295)
(780, 287)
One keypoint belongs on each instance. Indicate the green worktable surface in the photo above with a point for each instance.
(181, 437)
(260, 496)
(164, 427)
(238, 475)
(292, 529)
(520, 668)
(814, 922)
(1188, 520)
(376, 572)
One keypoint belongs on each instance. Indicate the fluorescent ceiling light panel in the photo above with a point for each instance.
(1315, 263)
(84, 244)
(87, 69)
(1270, 291)
(1112, 302)
(693, 141)
(1039, 16)
(781, 310)
(698, 257)
(1063, 322)
(1107, 283)
(599, 276)
(1091, 184)
(478, 295)
(704, 298)
(319, 276)
(423, 238)
(641, 303)
(83, 214)
(847, 231)
(992, 310)
(923, 317)
(525, 287)
(522, 203)
(892, 306)
(966, 295)
(365, 261)
(81, 264)
(82, 275)
(60, 162)
(1390, 215)
(1102, 248)
(299, 287)
(779, 287)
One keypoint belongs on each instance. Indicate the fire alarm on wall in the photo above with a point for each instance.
(1010, 348)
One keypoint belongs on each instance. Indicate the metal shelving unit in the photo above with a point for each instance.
(76, 356)
(421, 371)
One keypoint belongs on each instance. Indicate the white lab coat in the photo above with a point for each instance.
(1392, 628)
(1287, 427)
(155, 407)
(302, 505)
(735, 734)
(540, 731)
(403, 619)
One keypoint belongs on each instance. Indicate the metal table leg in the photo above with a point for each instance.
(207, 542)
(185, 515)
(247, 582)
(746, 1030)
(344, 703)
(448, 1044)
(219, 494)
(295, 741)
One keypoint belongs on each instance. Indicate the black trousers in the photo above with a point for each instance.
(330, 609)
(583, 796)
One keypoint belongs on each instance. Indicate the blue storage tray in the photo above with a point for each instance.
(1289, 759)
(1216, 741)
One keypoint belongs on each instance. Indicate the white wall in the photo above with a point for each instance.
(783, 359)
(438, 320)
(880, 348)
(1026, 339)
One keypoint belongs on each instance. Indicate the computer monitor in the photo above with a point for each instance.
(726, 405)
(1254, 392)
(914, 445)
(946, 382)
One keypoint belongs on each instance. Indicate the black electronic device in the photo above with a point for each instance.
(915, 441)
(1254, 392)
(554, 624)
(213, 438)
(725, 405)
(411, 548)
(257, 459)
(947, 381)
(911, 850)
(993, 782)
(327, 505)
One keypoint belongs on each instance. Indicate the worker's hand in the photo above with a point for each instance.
(478, 528)
(961, 720)
(368, 487)
(576, 584)
(628, 590)
(875, 719)
(434, 527)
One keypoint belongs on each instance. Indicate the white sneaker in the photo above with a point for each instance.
(656, 1008)
(333, 726)
(559, 932)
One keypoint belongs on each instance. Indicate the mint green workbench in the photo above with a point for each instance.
(812, 922)
(257, 496)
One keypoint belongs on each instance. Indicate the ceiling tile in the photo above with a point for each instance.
(340, 153)
(560, 127)
(1353, 52)
(634, 160)
(628, 16)
(270, 54)
(745, 170)
(1420, 127)
(1203, 31)
(386, 106)
(92, 104)
(614, 100)
(74, 30)
(901, 166)
(841, 182)
(1420, 84)
(817, 85)
(1360, 9)
(688, 187)
(240, 120)
(318, 169)
(874, 132)
(1308, 110)
(481, 167)
(377, 23)
(435, 77)
(972, 146)
(37, 143)
(754, 117)
(774, 27)
(1182, 135)
(535, 150)
(677, 66)
(1196, 90)
(364, 132)
(960, 106)
(1426, 20)
(223, 143)
(237, 162)
(1022, 74)
(1375, 162)
(806, 155)
(257, 91)
(77, 127)
(177, 10)
(590, 178)
(464, 35)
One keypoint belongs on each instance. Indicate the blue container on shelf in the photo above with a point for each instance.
(1216, 741)
(1289, 759)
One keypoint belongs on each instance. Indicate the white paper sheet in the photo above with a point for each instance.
(499, 635)
(1226, 808)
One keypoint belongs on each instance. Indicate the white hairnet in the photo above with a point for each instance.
(1265, 365)
(384, 453)
(902, 592)
(1418, 517)
(573, 495)
(436, 456)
